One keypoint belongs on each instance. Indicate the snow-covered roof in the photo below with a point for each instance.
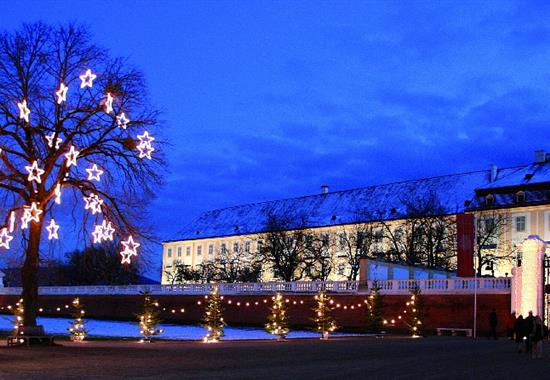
(455, 193)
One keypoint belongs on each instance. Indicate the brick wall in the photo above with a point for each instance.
(440, 310)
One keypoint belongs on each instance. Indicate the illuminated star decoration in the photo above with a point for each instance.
(145, 148)
(129, 250)
(122, 121)
(109, 103)
(94, 172)
(87, 79)
(30, 214)
(93, 202)
(52, 230)
(12, 221)
(57, 193)
(34, 172)
(24, 111)
(97, 234)
(71, 156)
(50, 138)
(5, 238)
(108, 230)
(62, 93)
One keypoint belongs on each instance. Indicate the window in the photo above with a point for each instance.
(179, 251)
(520, 197)
(260, 245)
(188, 251)
(235, 247)
(325, 238)
(520, 223)
(199, 250)
(169, 253)
(343, 240)
(489, 200)
(341, 269)
(223, 248)
(211, 249)
(247, 247)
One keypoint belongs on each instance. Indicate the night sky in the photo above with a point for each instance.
(266, 100)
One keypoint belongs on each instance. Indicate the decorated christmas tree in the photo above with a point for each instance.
(323, 315)
(18, 312)
(149, 319)
(277, 320)
(413, 312)
(375, 305)
(77, 330)
(213, 317)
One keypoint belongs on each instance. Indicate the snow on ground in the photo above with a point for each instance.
(119, 329)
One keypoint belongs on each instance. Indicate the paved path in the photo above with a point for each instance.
(346, 358)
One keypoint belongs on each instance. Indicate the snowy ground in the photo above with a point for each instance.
(118, 329)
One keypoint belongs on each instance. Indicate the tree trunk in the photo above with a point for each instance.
(29, 274)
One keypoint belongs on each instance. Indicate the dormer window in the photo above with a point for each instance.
(489, 200)
(520, 197)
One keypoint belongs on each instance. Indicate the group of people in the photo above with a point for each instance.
(528, 333)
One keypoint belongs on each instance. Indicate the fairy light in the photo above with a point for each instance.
(61, 93)
(35, 173)
(145, 150)
(24, 111)
(50, 138)
(149, 319)
(5, 238)
(57, 194)
(71, 156)
(130, 249)
(77, 330)
(277, 323)
(12, 221)
(97, 234)
(94, 173)
(213, 318)
(31, 213)
(93, 203)
(87, 79)
(109, 103)
(108, 230)
(52, 229)
(323, 318)
(122, 121)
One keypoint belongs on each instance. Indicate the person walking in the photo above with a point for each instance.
(537, 338)
(529, 331)
(519, 333)
(493, 322)
(510, 325)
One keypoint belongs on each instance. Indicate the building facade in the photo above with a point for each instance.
(454, 222)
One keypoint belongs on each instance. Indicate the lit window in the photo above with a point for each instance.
(169, 253)
(199, 250)
(188, 251)
(235, 247)
(520, 223)
(223, 249)
(179, 251)
(247, 247)
(211, 249)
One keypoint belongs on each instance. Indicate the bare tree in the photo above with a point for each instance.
(235, 264)
(490, 247)
(66, 109)
(356, 242)
(318, 256)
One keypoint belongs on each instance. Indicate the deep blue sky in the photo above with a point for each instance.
(267, 100)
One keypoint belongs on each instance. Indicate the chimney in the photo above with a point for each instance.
(493, 173)
(324, 189)
(540, 156)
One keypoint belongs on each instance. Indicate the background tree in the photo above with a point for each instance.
(277, 320)
(149, 318)
(356, 241)
(323, 315)
(318, 258)
(490, 247)
(67, 107)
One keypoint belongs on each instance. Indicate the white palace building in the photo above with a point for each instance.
(515, 198)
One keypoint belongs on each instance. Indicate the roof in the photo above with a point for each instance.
(455, 193)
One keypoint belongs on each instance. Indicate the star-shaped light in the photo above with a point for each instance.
(50, 139)
(145, 138)
(87, 79)
(109, 103)
(97, 234)
(94, 172)
(71, 156)
(30, 214)
(93, 202)
(122, 121)
(57, 193)
(145, 150)
(108, 230)
(24, 111)
(12, 221)
(52, 229)
(5, 238)
(129, 250)
(34, 172)
(61, 93)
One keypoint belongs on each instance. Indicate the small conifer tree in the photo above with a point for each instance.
(277, 320)
(414, 312)
(375, 305)
(77, 329)
(18, 312)
(149, 319)
(213, 317)
(323, 315)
